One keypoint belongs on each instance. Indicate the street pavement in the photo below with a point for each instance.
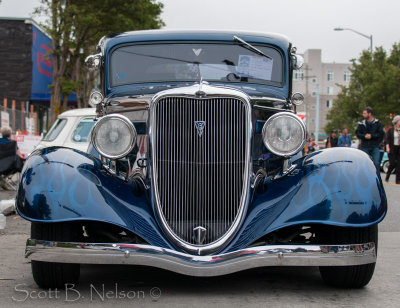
(102, 286)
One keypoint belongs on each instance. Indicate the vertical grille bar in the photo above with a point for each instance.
(199, 176)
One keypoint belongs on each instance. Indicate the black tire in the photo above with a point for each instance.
(385, 166)
(50, 274)
(356, 276)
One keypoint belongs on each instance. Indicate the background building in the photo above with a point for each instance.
(326, 76)
(26, 75)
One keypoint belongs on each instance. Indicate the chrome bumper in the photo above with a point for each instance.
(215, 265)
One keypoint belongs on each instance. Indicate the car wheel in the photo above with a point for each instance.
(385, 166)
(356, 276)
(51, 274)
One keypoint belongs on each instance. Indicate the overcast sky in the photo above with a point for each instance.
(308, 23)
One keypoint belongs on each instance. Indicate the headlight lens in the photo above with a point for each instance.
(284, 134)
(114, 136)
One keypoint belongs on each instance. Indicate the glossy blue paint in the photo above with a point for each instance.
(337, 187)
(60, 184)
(157, 36)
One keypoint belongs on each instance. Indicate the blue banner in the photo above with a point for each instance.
(42, 72)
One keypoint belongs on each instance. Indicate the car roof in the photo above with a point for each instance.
(81, 112)
(193, 35)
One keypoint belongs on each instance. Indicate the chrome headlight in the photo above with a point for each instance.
(114, 136)
(284, 134)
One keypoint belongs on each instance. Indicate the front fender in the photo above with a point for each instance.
(61, 184)
(338, 186)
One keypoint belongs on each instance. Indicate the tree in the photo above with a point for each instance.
(375, 82)
(76, 26)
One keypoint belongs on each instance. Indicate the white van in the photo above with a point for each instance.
(71, 129)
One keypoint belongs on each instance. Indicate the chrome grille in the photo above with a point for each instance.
(200, 176)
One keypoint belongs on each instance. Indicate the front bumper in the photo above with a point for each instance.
(215, 265)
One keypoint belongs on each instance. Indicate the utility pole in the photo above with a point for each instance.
(317, 116)
(307, 98)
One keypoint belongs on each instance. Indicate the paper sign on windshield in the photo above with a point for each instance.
(255, 67)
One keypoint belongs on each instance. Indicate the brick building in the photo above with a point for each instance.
(25, 74)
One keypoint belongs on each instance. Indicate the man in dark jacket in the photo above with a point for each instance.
(371, 134)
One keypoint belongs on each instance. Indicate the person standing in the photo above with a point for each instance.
(371, 134)
(344, 139)
(332, 140)
(392, 142)
(312, 146)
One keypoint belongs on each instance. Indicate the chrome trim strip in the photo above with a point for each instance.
(258, 103)
(215, 265)
(271, 108)
(207, 92)
(268, 99)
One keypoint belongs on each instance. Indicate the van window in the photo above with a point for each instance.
(82, 130)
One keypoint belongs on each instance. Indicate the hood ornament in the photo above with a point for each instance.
(200, 125)
(199, 234)
(200, 93)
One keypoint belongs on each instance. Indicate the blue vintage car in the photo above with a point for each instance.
(196, 166)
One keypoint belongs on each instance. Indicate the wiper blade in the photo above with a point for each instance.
(249, 46)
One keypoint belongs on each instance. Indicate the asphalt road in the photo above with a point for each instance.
(128, 285)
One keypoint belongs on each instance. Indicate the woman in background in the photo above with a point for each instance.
(392, 142)
(332, 140)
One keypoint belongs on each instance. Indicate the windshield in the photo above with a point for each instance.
(192, 62)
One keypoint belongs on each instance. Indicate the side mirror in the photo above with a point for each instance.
(298, 61)
(95, 98)
(93, 61)
(297, 99)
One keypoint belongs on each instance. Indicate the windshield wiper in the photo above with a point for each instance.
(249, 46)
